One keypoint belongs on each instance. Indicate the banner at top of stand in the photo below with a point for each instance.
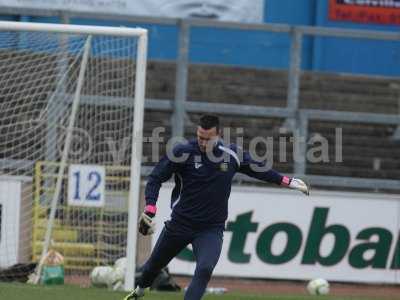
(233, 10)
(365, 11)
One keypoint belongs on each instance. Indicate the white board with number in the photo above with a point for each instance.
(86, 185)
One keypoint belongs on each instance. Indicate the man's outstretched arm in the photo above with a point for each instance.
(261, 171)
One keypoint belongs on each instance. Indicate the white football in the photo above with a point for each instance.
(119, 271)
(103, 276)
(318, 286)
(120, 263)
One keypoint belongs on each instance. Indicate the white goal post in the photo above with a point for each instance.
(62, 87)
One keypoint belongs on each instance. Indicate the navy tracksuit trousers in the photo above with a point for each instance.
(206, 243)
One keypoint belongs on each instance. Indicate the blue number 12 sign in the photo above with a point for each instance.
(86, 185)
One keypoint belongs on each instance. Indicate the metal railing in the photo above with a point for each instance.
(295, 117)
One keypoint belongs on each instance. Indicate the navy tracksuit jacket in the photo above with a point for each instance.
(202, 186)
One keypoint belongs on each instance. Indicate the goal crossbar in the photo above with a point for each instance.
(72, 29)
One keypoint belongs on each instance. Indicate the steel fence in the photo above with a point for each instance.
(295, 118)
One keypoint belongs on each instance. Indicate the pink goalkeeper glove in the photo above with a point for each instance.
(146, 223)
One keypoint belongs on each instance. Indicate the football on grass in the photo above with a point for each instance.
(318, 286)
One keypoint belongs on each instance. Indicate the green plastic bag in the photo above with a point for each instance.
(53, 275)
(53, 268)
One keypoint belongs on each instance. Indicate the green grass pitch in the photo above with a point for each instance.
(16, 291)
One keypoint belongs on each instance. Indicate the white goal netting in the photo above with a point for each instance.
(67, 121)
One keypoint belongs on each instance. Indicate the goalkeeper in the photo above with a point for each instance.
(203, 170)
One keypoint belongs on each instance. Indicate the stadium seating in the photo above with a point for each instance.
(368, 150)
(237, 85)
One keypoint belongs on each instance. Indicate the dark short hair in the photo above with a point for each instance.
(209, 121)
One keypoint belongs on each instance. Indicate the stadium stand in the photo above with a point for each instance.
(222, 84)
(268, 88)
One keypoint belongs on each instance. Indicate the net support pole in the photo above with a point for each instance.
(136, 162)
(64, 158)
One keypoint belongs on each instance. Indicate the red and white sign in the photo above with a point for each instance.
(365, 11)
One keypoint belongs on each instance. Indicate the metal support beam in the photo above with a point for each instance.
(338, 181)
(244, 110)
(294, 78)
(396, 134)
(349, 33)
(316, 180)
(352, 182)
(307, 30)
(182, 69)
(325, 181)
(350, 117)
(232, 109)
(300, 143)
